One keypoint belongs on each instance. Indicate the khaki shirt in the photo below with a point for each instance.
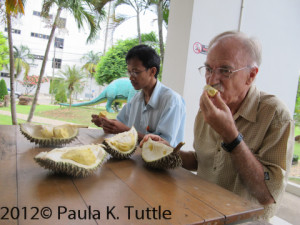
(268, 131)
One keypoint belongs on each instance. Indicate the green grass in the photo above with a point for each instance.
(6, 120)
(295, 180)
(78, 115)
(25, 109)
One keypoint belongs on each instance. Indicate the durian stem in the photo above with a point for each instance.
(178, 147)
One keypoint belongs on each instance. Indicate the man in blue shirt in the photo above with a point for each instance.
(155, 109)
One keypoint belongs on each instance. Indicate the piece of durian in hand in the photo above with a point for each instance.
(160, 156)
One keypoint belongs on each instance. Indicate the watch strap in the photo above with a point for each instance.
(228, 147)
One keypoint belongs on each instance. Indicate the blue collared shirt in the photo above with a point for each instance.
(164, 115)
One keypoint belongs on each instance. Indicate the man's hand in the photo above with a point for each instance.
(218, 115)
(112, 126)
(154, 138)
(96, 120)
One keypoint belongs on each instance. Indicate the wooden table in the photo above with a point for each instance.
(120, 192)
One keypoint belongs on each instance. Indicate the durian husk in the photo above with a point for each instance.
(55, 161)
(167, 157)
(41, 134)
(112, 143)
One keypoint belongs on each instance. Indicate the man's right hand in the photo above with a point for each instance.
(96, 120)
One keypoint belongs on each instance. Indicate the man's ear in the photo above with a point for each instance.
(153, 71)
(252, 75)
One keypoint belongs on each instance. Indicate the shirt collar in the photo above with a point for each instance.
(248, 109)
(155, 95)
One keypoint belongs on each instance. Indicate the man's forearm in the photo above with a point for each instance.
(251, 172)
(189, 161)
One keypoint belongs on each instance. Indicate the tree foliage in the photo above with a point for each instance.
(4, 51)
(30, 82)
(112, 65)
(21, 56)
(3, 89)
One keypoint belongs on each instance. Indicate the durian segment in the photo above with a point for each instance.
(210, 90)
(160, 156)
(85, 156)
(49, 135)
(103, 114)
(122, 145)
(79, 161)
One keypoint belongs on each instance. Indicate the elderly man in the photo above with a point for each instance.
(155, 109)
(243, 138)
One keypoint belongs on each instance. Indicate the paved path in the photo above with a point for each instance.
(36, 119)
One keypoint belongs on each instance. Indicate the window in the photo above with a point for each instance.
(3, 74)
(57, 63)
(39, 57)
(59, 43)
(43, 36)
(15, 31)
(36, 13)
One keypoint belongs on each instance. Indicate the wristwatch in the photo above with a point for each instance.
(229, 147)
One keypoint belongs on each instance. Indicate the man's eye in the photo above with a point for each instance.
(224, 71)
(208, 70)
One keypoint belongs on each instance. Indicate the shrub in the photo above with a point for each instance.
(61, 96)
(3, 89)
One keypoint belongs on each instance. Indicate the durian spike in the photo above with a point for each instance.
(178, 147)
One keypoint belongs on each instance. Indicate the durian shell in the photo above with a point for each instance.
(119, 154)
(33, 133)
(170, 161)
(67, 168)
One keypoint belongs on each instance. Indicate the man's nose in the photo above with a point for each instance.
(214, 78)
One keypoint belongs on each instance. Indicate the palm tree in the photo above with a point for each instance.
(162, 10)
(21, 55)
(91, 60)
(73, 76)
(90, 11)
(138, 6)
(12, 8)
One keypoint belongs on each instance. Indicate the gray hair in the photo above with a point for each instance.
(251, 45)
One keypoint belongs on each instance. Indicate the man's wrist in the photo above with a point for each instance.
(229, 147)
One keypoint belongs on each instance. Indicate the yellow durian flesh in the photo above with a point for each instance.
(82, 156)
(210, 90)
(124, 144)
(61, 132)
(47, 131)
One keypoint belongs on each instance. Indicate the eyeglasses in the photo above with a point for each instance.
(135, 73)
(221, 72)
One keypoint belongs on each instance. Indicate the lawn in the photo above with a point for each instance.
(78, 115)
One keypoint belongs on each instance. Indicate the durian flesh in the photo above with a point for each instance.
(160, 156)
(79, 161)
(49, 135)
(122, 145)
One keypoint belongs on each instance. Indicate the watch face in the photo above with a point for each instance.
(229, 147)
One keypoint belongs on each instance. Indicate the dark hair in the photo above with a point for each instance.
(147, 55)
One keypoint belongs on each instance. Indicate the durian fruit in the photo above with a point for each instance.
(122, 145)
(49, 135)
(211, 91)
(160, 156)
(79, 161)
(103, 114)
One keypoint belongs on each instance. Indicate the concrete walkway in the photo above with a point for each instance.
(36, 119)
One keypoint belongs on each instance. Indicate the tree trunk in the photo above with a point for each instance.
(43, 66)
(160, 30)
(12, 77)
(71, 92)
(106, 29)
(138, 25)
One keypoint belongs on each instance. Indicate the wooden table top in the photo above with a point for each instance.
(120, 192)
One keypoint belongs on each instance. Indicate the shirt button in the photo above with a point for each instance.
(215, 168)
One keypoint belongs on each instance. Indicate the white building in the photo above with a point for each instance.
(68, 47)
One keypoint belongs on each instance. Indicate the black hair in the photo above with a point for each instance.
(147, 55)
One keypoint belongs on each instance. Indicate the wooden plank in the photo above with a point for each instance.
(8, 180)
(38, 188)
(231, 205)
(164, 193)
